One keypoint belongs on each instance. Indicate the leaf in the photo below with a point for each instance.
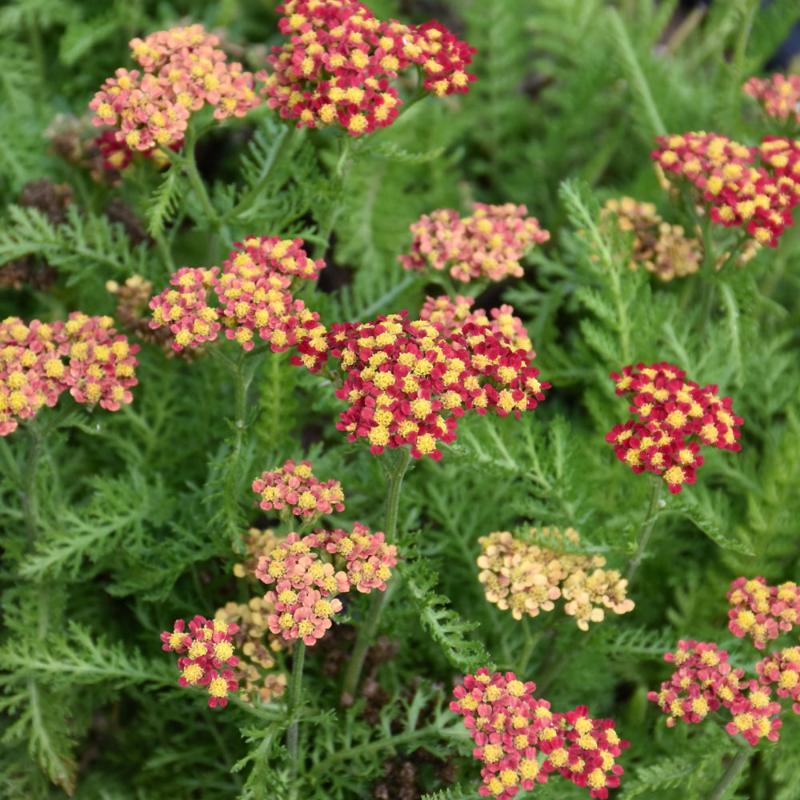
(705, 519)
(163, 203)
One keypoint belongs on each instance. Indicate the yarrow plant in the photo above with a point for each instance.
(675, 418)
(528, 578)
(295, 489)
(521, 742)
(205, 653)
(183, 70)
(727, 179)
(39, 361)
(340, 64)
(488, 244)
(705, 682)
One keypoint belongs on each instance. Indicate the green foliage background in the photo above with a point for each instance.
(114, 525)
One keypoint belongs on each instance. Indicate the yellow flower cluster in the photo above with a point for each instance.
(528, 578)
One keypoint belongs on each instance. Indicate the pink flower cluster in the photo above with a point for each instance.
(254, 293)
(489, 244)
(407, 383)
(725, 176)
(778, 95)
(451, 314)
(512, 729)
(205, 651)
(762, 612)
(294, 487)
(340, 62)
(183, 70)
(782, 668)
(704, 682)
(39, 361)
(305, 596)
(676, 417)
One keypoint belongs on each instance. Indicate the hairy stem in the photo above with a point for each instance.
(378, 601)
(732, 772)
(295, 690)
(646, 530)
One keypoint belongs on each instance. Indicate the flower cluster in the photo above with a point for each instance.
(254, 293)
(407, 383)
(778, 95)
(306, 585)
(255, 673)
(676, 417)
(295, 488)
(340, 61)
(659, 247)
(205, 651)
(762, 612)
(182, 71)
(39, 361)
(725, 175)
(489, 244)
(450, 315)
(256, 544)
(512, 730)
(704, 681)
(528, 578)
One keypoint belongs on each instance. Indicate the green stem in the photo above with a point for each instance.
(295, 690)
(732, 771)
(367, 631)
(646, 530)
(30, 502)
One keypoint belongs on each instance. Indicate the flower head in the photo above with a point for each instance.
(762, 612)
(528, 578)
(488, 244)
(675, 417)
(295, 487)
(778, 95)
(340, 62)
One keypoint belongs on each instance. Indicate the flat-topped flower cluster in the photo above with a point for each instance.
(294, 488)
(704, 681)
(340, 65)
(528, 578)
(39, 361)
(778, 95)
(675, 417)
(513, 730)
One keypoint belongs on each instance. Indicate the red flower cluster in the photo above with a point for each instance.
(205, 652)
(676, 417)
(740, 193)
(296, 488)
(183, 71)
(762, 612)
(340, 61)
(450, 315)
(783, 669)
(778, 95)
(704, 682)
(254, 291)
(305, 597)
(39, 361)
(407, 383)
(511, 729)
(488, 244)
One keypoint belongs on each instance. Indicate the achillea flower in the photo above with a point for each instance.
(340, 62)
(512, 730)
(255, 672)
(724, 175)
(762, 612)
(489, 244)
(407, 383)
(783, 669)
(83, 355)
(205, 653)
(528, 578)
(659, 247)
(755, 714)
(254, 293)
(676, 418)
(305, 595)
(294, 488)
(183, 70)
(778, 95)
(256, 543)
